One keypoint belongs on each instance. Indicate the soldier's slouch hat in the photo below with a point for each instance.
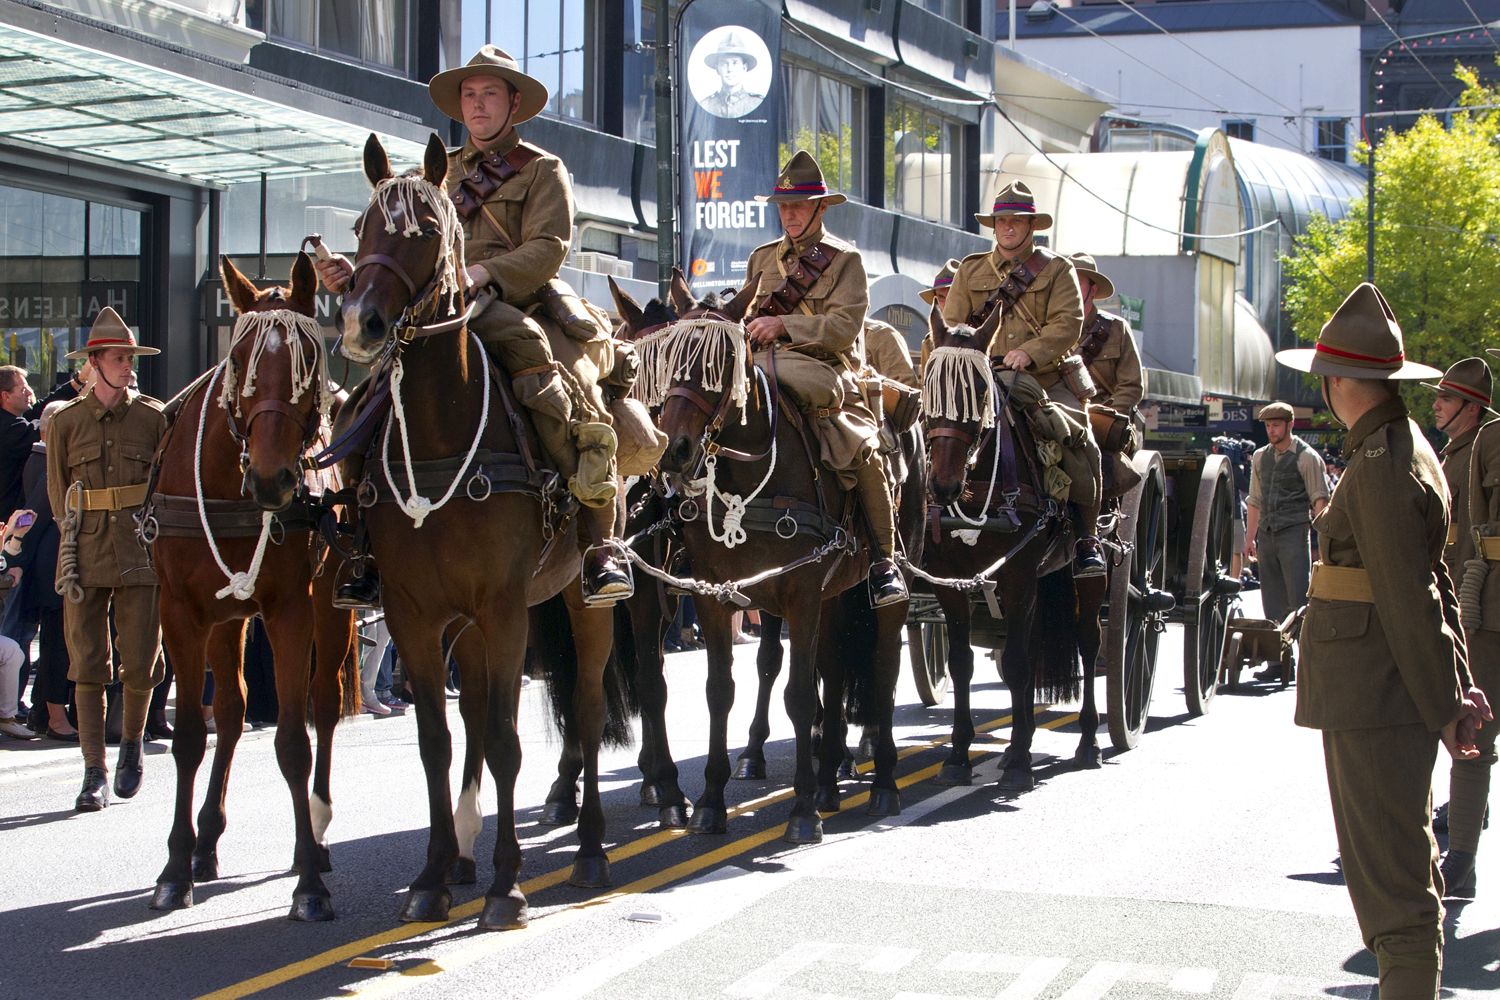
(1360, 340)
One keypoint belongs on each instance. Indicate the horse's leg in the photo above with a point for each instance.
(185, 641)
(504, 634)
(226, 651)
(832, 750)
(335, 677)
(804, 825)
(289, 625)
(1090, 591)
(752, 759)
(956, 769)
(1016, 667)
(710, 814)
(593, 637)
(473, 704)
(885, 797)
(659, 784)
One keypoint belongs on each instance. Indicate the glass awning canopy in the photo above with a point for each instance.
(81, 100)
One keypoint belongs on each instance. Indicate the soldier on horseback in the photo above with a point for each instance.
(811, 304)
(516, 205)
(1041, 322)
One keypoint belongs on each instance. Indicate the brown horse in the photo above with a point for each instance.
(1018, 547)
(271, 387)
(459, 519)
(731, 441)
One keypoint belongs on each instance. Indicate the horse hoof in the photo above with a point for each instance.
(953, 775)
(708, 819)
(650, 794)
(559, 814)
(827, 799)
(884, 802)
(749, 769)
(504, 913)
(461, 872)
(206, 867)
(325, 859)
(847, 770)
(426, 905)
(590, 873)
(310, 908)
(172, 896)
(673, 817)
(1014, 780)
(803, 830)
(1087, 757)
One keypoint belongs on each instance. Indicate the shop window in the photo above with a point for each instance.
(923, 163)
(1332, 139)
(1240, 129)
(326, 204)
(378, 32)
(553, 40)
(825, 116)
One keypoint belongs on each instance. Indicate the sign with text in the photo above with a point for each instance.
(1134, 311)
(69, 304)
(729, 95)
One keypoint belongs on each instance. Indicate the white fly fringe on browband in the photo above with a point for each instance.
(670, 355)
(305, 376)
(958, 384)
(402, 194)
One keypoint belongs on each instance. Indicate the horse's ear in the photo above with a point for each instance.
(935, 324)
(241, 291)
(680, 295)
(986, 331)
(627, 307)
(377, 164)
(435, 161)
(304, 295)
(740, 304)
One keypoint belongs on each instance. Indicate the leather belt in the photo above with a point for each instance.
(1340, 583)
(1489, 547)
(115, 497)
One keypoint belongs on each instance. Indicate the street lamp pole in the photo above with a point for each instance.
(666, 185)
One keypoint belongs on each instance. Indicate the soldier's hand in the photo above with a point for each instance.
(766, 330)
(476, 276)
(1461, 736)
(336, 272)
(1017, 359)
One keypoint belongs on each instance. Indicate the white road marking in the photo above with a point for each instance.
(765, 979)
(1265, 985)
(1100, 979)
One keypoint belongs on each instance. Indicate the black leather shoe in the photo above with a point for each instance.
(360, 593)
(157, 727)
(130, 768)
(886, 585)
(53, 734)
(1088, 559)
(36, 719)
(1270, 674)
(604, 579)
(1458, 874)
(95, 793)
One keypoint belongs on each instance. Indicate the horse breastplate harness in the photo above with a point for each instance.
(1011, 287)
(786, 297)
(486, 178)
(1095, 335)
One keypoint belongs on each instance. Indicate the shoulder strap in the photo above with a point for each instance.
(489, 173)
(785, 298)
(1012, 287)
(1095, 335)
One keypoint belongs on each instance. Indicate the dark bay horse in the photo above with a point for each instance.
(458, 518)
(999, 524)
(241, 430)
(743, 463)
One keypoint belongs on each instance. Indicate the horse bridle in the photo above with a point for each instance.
(305, 423)
(717, 414)
(406, 328)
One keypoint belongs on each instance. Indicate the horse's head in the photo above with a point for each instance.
(276, 370)
(958, 400)
(637, 322)
(696, 368)
(410, 263)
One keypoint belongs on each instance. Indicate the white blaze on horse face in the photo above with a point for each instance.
(467, 819)
(322, 815)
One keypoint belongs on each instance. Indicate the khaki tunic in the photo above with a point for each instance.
(1117, 368)
(1460, 547)
(1052, 302)
(832, 314)
(886, 352)
(1483, 495)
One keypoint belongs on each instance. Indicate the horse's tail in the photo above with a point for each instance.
(624, 665)
(854, 644)
(1056, 635)
(557, 657)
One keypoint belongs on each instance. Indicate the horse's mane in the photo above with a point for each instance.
(657, 313)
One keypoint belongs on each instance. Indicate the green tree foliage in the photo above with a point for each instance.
(1437, 236)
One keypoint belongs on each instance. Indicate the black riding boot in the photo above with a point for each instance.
(886, 583)
(605, 580)
(95, 793)
(130, 768)
(1088, 557)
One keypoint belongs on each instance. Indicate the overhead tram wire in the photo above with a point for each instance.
(1396, 39)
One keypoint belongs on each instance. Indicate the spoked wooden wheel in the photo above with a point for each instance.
(1138, 603)
(1208, 589)
(927, 645)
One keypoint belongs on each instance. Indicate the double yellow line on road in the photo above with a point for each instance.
(655, 880)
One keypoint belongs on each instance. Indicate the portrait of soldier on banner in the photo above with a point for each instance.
(729, 72)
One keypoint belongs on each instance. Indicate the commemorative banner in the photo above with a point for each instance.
(729, 110)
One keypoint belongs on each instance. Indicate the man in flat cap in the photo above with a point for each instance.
(1288, 488)
(1383, 671)
(516, 204)
(99, 450)
(811, 307)
(1041, 320)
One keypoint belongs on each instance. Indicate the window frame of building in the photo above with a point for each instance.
(522, 33)
(1325, 147)
(263, 15)
(1239, 128)
(930, 125)
(848, 174)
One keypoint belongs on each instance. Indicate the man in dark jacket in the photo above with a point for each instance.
(19, 410)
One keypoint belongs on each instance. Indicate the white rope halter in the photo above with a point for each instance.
(399, 196)
(670, 355)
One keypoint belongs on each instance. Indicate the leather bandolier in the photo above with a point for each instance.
(786, 297)
(1096, 331)
(1009, 291)
(492, 170)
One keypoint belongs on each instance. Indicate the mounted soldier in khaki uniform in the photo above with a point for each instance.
(1108, 345)
(1383, 671)
(1471, 465)
(811, 306)
(99, 450)
(516, 205)
(1040, 325)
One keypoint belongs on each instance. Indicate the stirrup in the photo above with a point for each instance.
(613, 592)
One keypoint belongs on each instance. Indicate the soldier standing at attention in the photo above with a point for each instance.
(1108, 345)
(516, 203)
(1288, 488)
(1384, 674)
(99, 449)
(1041, 321)
(811, 308)
(1473, 455)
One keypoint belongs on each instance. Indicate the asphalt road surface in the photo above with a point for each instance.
(1201, 864)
